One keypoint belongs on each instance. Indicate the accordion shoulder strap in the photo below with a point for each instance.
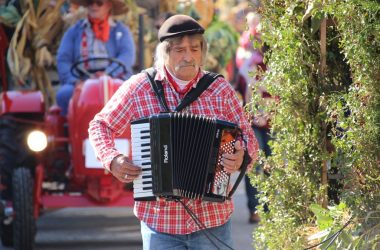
(202, 85)
(157, 87)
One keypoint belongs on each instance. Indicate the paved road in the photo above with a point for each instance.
(117, 228)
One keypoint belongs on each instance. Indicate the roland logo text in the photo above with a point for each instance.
(166, 154)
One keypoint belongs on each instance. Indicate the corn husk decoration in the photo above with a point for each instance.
(30, 50)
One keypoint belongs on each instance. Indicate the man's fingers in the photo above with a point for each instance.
(232, 162)
(228, 162)
(238, 145)
(124, 170)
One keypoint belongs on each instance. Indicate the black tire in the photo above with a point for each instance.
(24, 225)
(7, 235)
(9, 147)
(8, 156)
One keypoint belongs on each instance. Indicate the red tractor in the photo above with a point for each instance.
(46, 160)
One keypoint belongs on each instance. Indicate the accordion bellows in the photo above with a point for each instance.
(180, 156)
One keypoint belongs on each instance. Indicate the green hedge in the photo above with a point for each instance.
(331, 119)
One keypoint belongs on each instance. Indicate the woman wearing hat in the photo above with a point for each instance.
(98, 35)
(180, 55)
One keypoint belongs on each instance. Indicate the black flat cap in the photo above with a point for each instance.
(179, 25)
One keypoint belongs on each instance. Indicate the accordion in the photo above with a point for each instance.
(180, 156)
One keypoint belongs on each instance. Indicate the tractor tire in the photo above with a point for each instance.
(8, 156)
(9, 145)
(6, 234)
(24, 224)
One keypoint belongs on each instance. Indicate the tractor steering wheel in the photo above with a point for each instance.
(80, 72)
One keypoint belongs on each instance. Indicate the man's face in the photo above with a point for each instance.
(99, 8)
(185, 57)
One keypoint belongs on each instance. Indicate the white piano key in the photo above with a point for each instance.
(143, 195)
(140, 187)
(137, 142)
(148, 172)
(142, 164)
(141, 144)
(147, 182)
(140, 138)
(139, 133)
(143, 157)
(140, 126)
(140, 191)
(141, 149)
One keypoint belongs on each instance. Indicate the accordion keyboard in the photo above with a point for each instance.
(140, 137)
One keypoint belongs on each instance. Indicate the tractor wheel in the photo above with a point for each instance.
(6, 234)
(8, 156)
(24, 227)
(9, 148)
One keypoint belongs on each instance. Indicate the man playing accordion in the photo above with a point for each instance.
(165, 223)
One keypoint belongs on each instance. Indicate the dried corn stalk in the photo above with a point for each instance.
(30, 50)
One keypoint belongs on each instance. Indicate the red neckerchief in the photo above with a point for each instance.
(101, 28)
(176, 86)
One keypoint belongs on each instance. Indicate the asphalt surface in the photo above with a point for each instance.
(98, 228)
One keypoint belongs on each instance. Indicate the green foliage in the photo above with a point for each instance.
(331, 118)
(222, 40)
(335, 235)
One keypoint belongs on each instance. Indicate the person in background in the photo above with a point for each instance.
(249, 61)
(165, 224)
(98, 35)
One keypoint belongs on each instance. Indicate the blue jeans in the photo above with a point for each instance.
(153, 240)
(63, 97)
(262, 136)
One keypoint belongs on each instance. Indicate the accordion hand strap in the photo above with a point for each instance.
(202, 85)
(246, 160)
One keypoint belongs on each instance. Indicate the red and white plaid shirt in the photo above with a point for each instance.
(136, 99)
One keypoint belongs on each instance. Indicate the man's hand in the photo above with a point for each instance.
(123, 169)
(232, 162)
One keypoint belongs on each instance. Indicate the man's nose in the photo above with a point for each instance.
(188, 56)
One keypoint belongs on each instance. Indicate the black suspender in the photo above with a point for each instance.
(194, 93)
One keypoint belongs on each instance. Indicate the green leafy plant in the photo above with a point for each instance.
(334, 235)
(327, 118)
